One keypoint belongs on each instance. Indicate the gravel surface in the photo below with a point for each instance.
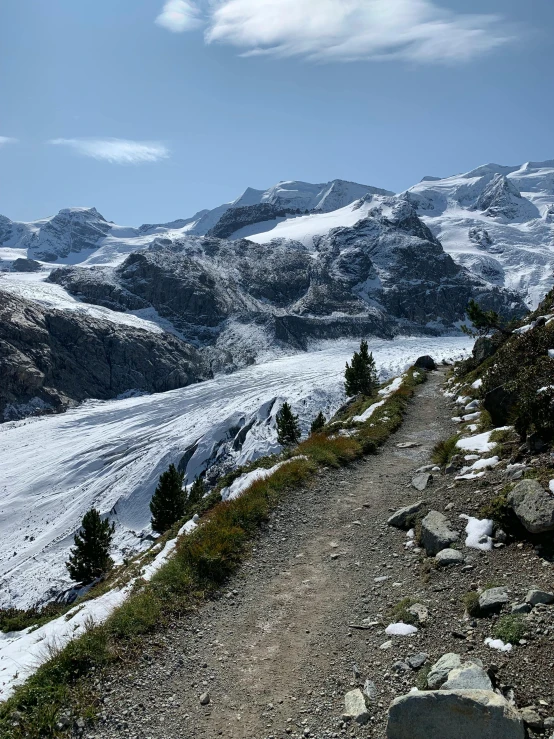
(276, 653)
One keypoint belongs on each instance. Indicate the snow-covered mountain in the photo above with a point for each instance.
(497, 221)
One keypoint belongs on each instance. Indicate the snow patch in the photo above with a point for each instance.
(400, 629)
(479, 533)
(498, 644)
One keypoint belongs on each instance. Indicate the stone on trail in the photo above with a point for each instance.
(447, 557)
(534, 597)
(468, 677)
(370, 690)
(415, 661)
(355, 706)
(492, 600)
(520, 608)
(404, 516)
(426, 362)
(533, 505)
(436, 533)
(420, 611)
(420, 482)
(453, 714)
(204, 699)
(532, 718)
(438, 674)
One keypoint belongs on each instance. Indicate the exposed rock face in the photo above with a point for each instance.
(533, 505)
(383, 276)
(50, 359)
(72, 230)
(502, 199)
(449, 714)
(237, 218)
(25, 265)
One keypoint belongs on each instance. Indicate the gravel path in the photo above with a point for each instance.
(276, 651)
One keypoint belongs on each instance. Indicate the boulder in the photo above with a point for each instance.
(520, 608)
(355, 706)
(438, 674)
(500, 404)
(468, 677)
(485, 347)
(492, 600)
(533, 505)
(25, 265)
(534, 597)
(420, 611)
(436, 533)
(420, 482)
(532, 718)
(426, 362)
(453, 714)
(447, 557)
(403, 518)
(415, 661)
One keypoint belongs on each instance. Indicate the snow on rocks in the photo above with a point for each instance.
(243, 482)
(479, 533)
(366, 415)
(480, 443)
(479, 466)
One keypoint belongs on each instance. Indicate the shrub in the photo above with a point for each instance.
(330, 451)
(509, 628)
(443, 451)
(318, 423)
(471, 602)
(400, 612)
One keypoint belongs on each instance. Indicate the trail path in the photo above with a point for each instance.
(275, 652)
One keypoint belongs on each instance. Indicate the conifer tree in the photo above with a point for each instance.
(196, 492)
(168, 503)
(288, 428)
(318, 423)
(91, 556)
(360, 376)
(483, 321)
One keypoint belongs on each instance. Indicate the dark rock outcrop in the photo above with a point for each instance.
(25, 265)
(50, 359)
(237, 218)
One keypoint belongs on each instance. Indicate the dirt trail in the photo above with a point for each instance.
(275, 651)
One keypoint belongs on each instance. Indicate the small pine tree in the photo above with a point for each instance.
(483, 322)
(288, 428)
(168, 503)
(91, 557)
(318, 423)
(196, 492)
(360, 376)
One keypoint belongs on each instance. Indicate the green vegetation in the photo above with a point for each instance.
(90, 559)
(471, 603)
(288, 428)
(14, 619)
(510, 628)
(318, 424)
(400, 612)
(360, 376)
(201, 563)
(443, 451)
(169, 501)
(483, 321)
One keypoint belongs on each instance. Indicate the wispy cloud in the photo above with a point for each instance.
(117, 151)
(343, 30)
(7, 140)
(179, 16)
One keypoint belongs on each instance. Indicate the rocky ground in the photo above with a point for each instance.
(304, 620)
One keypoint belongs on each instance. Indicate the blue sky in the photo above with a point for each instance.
(151, 111)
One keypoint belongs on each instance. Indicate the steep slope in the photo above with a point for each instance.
(497, 221)
(50, 359)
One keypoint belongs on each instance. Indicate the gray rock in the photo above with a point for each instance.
(415, 661)
(370, 690)
(533, 505)
(355, 706)
(420, 482)
(205, 699)
(492, 600)
(447, 557)
(534, 597)
(467, 677)
(426, 362)
(520, 608)
(400, 666)
(420, 611)
(436, 533)
(25, 265)
(447, 714)
(403, 518)
(531, 718)
(438, 673)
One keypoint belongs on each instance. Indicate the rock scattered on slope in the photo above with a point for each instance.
(436, 533)
(533, 505)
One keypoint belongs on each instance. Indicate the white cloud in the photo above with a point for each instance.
(117, 151)
(347, 30)
(179, 16)
(7, 140)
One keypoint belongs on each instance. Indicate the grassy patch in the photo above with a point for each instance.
(400, 612)
(13, 619)
(421, 679)
(443, 451)
(201, 562)
(510, 628)
(471, 603)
